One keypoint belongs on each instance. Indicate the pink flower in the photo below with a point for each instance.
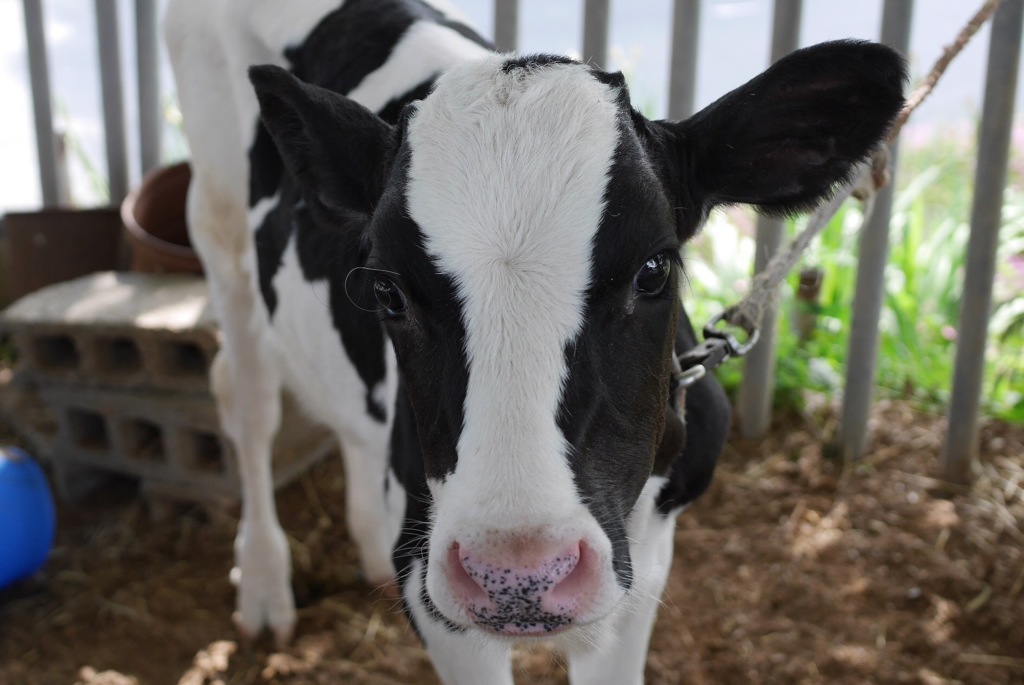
(1017, 262)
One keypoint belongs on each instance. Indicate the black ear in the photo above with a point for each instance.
(785, 139)
(337, 150)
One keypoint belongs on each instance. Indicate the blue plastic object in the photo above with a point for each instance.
(27, 516)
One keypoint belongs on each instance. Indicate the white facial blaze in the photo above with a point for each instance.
(507, 179)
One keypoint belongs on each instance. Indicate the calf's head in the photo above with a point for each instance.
(525, 226)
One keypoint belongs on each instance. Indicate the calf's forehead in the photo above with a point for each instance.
(508, 169)
(507, 173)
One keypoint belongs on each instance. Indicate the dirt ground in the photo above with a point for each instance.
(785, 572)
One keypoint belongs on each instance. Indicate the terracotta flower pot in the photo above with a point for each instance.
(154, 219)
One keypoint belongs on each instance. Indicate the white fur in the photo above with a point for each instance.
(506, 181)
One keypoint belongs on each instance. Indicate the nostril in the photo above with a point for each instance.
(561, 567)
(576, 584)
(465, 579)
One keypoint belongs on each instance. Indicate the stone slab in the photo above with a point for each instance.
(117, 329)
(166, 302)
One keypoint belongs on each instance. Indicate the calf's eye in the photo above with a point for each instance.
(389, 296)
(653, 275)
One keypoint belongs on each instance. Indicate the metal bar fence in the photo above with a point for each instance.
(986, 215)
(682, 78)
(42, 105)
(506, 25)
(758, 383)
(108, 41)
(595, 32)
(755, 399)
(147, 50)
(862, 355)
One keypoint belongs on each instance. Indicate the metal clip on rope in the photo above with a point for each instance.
(718, 346)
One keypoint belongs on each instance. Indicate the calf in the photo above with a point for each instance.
(468, 265)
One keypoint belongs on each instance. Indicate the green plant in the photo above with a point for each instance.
(923, 284)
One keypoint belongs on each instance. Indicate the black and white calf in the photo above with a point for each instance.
(468, 266)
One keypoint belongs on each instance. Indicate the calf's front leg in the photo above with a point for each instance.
(246, 383)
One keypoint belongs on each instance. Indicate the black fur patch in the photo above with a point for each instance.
(414, 539)
(356, 39)
(347, 45)
(265, 166)
(529, 62)
(325, 254)
(393, 109)
(429, 339)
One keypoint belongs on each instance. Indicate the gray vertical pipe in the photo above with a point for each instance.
(147, 49)
(862, 354)
(755, 398)
(108, 40)
(986, 214)
(595, 32)
(682, 80)
(506, 25)
(42, 107)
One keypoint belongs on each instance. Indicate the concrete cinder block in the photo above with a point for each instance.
(117, 329)
(26, 412)
(112, 378)
(170, 441)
